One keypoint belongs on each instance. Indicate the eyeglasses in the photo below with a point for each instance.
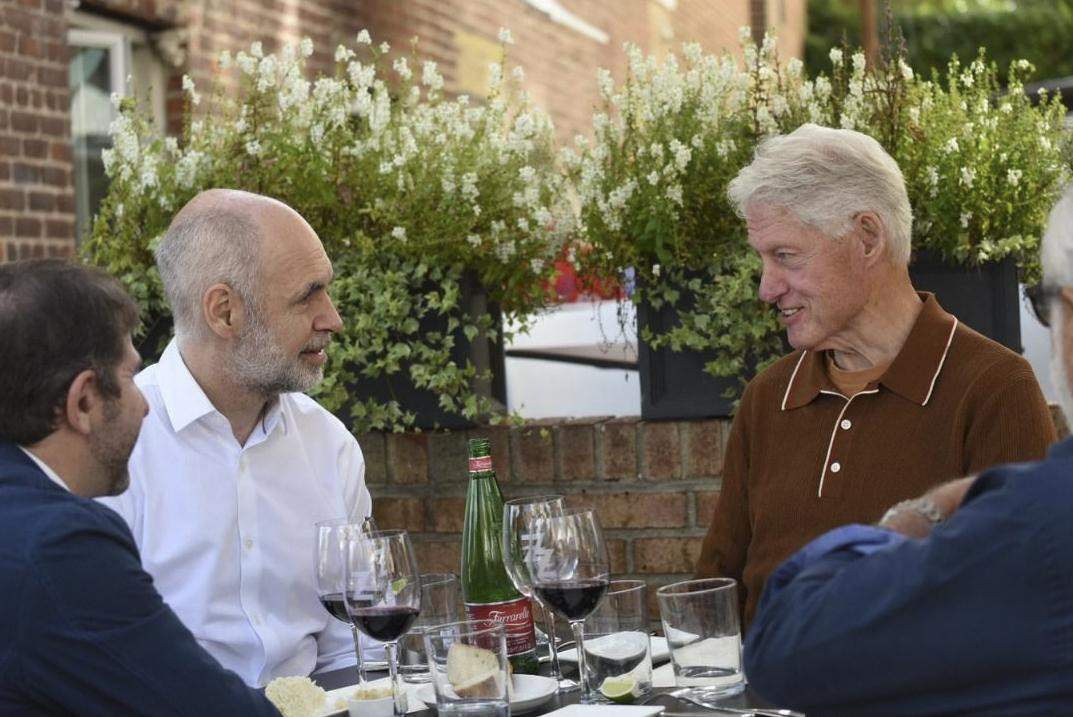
(1040, 297)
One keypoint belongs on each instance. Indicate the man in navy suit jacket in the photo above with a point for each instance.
(82, 629)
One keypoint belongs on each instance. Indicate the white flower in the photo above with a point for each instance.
(859, 62)
(253, 148)
(653, 178)
(246, 63)
(967, 79)
(914, 114)
(656, 268)
(537, 265)
(906, 70)
(402, 67)
(495, 76)
(430, 76)
(933, 176)
(306, 46)
(224, 60)
(474, 240)
(951, 145)
(171, 144)
(965, 217)
(1013, 176)
(343, 53)
(674, 193)
(399, 233)
(523, 224)
(384, 48)
(505, 37)
(794, 67)
(968, 176)
(363, 38)
(188, 87)
(257, 50)
(115, 99)
(518, 73)
(836, 56)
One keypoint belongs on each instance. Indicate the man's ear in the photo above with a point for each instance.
(223, 310)
(872, 234)
(83, 396)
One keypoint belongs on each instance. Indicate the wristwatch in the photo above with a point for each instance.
(924, 507)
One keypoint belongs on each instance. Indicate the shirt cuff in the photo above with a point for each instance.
(856, 538)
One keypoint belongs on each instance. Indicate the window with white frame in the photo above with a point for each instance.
(106, 58)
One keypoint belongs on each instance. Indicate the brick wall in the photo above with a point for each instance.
(654, 485)
(36, 190)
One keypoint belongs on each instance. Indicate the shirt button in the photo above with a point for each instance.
(257, 619)
(846, 424)
(836, 467)
(248, 543)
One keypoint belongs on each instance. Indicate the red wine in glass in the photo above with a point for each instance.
(574, 600)
(336, 606)
(384, 623)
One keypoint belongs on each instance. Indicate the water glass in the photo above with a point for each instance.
(469, 668)
(700, 620)
(618, 654)
(439, 605)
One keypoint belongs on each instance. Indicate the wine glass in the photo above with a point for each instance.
(518, 518)
(383, 592)
(330, 545)
(568, 566)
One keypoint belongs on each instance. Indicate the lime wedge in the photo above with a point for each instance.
(398, 585)
(622, 690)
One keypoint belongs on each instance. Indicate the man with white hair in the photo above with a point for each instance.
(886, 394)
(235, 465)
(975, 618)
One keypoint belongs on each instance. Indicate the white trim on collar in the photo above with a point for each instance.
(184, 399)
(51, 474)
(790, 385)
(942, 360)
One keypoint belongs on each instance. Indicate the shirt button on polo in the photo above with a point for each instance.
(846, 424)
(836, 467)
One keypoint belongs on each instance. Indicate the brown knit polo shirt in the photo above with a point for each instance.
(803, 458)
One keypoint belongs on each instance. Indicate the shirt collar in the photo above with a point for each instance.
(51, 474)
(912, 374)
(186, 402)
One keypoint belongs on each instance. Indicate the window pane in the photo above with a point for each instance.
(90, 83)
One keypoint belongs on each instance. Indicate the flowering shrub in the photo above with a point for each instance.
(412, 193)
(982, 168)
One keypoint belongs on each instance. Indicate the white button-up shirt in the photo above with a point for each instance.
(226, 530)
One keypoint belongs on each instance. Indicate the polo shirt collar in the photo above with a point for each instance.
(186, 402)
(912, 374)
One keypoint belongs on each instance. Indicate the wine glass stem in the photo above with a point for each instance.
(391, 649)
(357, 654)
(553, 642)
(578, 626)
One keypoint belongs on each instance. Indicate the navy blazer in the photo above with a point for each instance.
(82, 629)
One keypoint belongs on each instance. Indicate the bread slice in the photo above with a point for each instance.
(473, 671)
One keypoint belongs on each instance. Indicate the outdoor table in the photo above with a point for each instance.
(748, 699)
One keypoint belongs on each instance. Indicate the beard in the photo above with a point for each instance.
(112, 446)
(260, 364)
(1059, 371)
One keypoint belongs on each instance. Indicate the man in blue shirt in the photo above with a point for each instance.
(960, 602)
(82, 630)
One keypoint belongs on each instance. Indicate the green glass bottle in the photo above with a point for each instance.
(487, 590)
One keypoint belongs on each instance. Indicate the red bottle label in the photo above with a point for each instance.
(517, 615)
(478, 465)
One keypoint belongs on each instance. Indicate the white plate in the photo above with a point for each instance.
(660, 651)
(530, 691)
(414, 703)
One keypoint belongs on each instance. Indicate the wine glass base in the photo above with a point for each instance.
(565, 684)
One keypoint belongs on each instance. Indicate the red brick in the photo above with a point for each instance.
(12, 199)
(407, 455)
(65, 203)
(395, 513)
(665, 555)
(61, 151)
(703, 448)
(59, 229)
(64, 250)
(17, 70)
(616, 553)
(54, 126)
(32, 4)
(7, 228)
(448, 457)
(52, 77)
(30, 47)
(661, 448)
(446, 514)
(533, 451)
(24, 122)
(438, 556)
(7, 42)
(56, 176)
(635, 510)
(27, 173)
(42, 202)
(22, 95)
(27, 227)
(10, 147)
(577, 451)
(373, 449)
(5, 171)
(616, 443)
(706, 507)
(35, 148)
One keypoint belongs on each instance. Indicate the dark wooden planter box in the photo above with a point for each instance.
(483, 353)
(675, 386)
(983, 297)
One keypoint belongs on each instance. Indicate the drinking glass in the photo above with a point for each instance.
(700, 620)
(439, 605)
(383, 592)
(468, 663)
(330, 545)
(518, 518)
(618, 652)
(569, 568)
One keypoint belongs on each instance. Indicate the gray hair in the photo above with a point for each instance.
(825, 177)
(206, 246)
(1056, 249)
